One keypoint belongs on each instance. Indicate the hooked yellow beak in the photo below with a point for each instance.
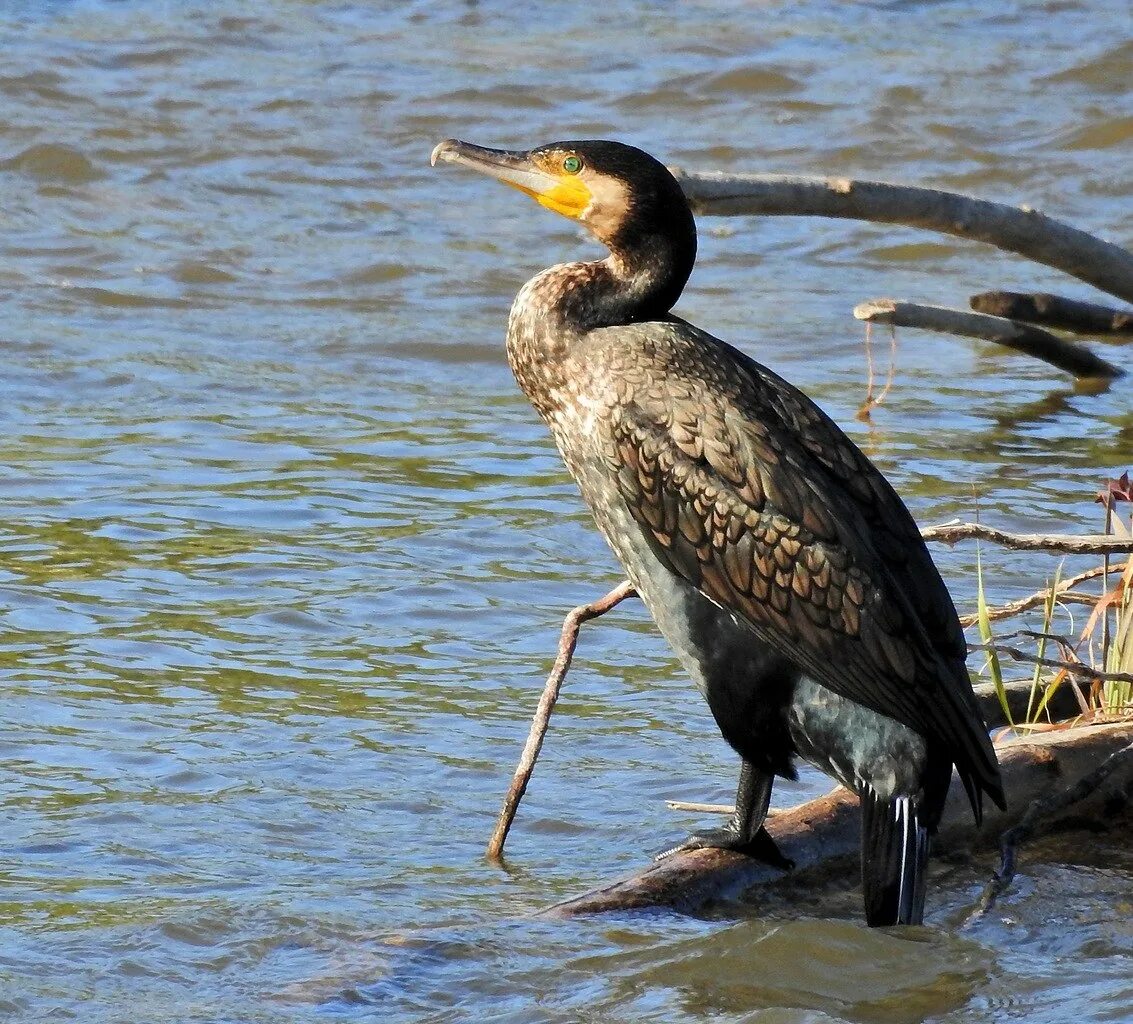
(556, 190)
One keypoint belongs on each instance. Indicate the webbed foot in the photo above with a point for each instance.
(760, 846)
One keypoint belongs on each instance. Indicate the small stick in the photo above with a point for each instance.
(1063, 593)
(1055, 311)
(1105, 578)
(567, 642)
(1043, 807)
(1086, 544)
(1066, 355)
(692, 805)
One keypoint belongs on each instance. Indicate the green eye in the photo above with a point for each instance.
(572, 165)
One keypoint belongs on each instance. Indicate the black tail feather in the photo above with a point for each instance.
(895, 846)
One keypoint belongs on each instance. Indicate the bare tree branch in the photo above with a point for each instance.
(1064, 593)
(1074, 667)
(1086, 544)
(1055, 311)
(1067, 355)
(567, 642)
(1017, 229)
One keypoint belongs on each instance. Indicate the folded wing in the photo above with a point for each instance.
(747, 490)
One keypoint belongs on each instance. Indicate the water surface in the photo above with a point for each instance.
(285, 552)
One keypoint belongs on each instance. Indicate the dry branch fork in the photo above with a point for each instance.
(1016, 229)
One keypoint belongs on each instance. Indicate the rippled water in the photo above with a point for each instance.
(285, 552)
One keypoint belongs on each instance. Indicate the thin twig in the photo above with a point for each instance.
(1041, 808)
(1055, 311)
(1079, 696)
(568, 639)
(1067, 645)
(1074, 667)
(863, 413)
(692, 805)
(1067, 355)
(1085, 544)
(1017, 229)
(1063, 593)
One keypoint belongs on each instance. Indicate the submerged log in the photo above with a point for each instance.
(821, 836)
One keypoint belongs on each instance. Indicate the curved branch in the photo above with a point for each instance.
(1032, 341)
(1041, 808)
(1097, 544)
(1017, 229)
(567, 642)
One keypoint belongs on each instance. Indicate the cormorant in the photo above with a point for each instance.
(784, 570)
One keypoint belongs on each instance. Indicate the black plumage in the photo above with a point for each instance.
(779, 563)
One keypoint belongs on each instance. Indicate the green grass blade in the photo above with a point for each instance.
(1119, 695)
(1048, 619)
(986, 637)
(1048, 693)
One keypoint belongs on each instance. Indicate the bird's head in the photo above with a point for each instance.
(620, 193)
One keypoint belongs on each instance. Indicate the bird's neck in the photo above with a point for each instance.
(558, 307)
(640, 280)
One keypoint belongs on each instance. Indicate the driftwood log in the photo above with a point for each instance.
(821, 836)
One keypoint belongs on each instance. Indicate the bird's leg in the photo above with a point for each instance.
(744, 832)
